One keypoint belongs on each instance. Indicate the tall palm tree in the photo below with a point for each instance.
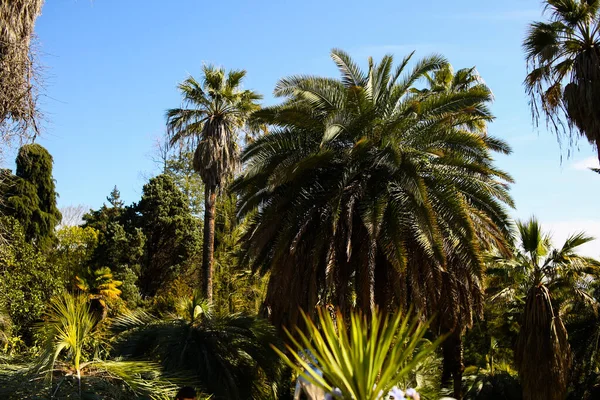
(458, 284)
(368, 192)
(213, 112)
(563, 58)
(543, 280)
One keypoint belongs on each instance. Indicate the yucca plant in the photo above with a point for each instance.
(360, 360)
(68, 329)
(71, 335)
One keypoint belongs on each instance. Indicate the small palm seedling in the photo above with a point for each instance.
(362, 360)
(100, 287)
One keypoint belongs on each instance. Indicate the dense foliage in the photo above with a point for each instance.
(30, 196)
(369, 197)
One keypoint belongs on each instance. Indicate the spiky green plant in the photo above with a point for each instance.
(70, 333)
(364, 358)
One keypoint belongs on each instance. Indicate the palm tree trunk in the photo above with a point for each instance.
(210, 196)
(453, 366)
(366, 284)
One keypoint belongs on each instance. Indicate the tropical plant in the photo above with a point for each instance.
(546, 282)
(68, 329)
(213, 112)
(362, 360)
(71, 341)
(444, 81)
(369, 192)
(228, 356)
(100, 287)
(563, 59)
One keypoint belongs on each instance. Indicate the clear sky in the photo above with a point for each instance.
(112, 67)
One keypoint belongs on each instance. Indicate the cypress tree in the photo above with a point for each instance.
(30, 195)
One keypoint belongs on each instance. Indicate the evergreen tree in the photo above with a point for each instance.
(30, 195)
(120, 244)
(172, 234)
(180, 167)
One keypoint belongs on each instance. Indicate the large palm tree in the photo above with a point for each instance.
(563, 57)
(369, 192)
(212, 114)
(545, 282)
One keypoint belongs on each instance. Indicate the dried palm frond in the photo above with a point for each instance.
(19, 114)
(542, 352)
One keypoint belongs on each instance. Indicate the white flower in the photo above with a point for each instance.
(397, 394)
(412, 393)
(335, 393)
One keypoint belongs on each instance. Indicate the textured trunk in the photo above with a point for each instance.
(210, 195)
(453, 366)
(366, 284)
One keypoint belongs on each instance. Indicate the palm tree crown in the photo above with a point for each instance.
(213, 112)
(362, 182)
(563, 57)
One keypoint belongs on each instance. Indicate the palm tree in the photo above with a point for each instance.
(227, 355)
(545, 281)
(563, 58)
(213, 112)
(100, 287)
(367, 192)
(459, 282)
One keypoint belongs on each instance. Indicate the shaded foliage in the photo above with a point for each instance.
(27, 279)
(226, 355)
(172, 237)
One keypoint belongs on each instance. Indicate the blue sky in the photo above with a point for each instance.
(112, 67)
